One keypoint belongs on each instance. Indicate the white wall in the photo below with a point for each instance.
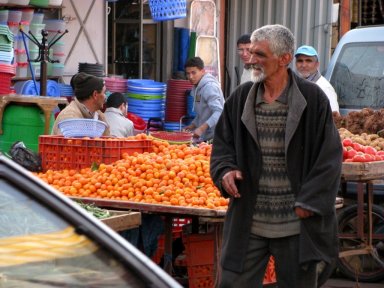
(79, 48)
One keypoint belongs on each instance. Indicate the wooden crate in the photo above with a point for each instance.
(361, 171)
(122, 220)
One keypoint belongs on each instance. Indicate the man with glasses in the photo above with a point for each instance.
(243, 44)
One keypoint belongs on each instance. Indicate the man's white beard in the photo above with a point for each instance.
(259, 77)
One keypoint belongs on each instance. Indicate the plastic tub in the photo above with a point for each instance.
(14, 16)
(53, 25)
(38, 18)
(13, 27)
(19, 2)
(59, 56)
(57, 69)
(27, 15)
(39, 3)
(18, 42)
(25, 26)
(36, 28)
(138, 122)
(22, 69)
(3, 15)
(58, 47)
(22, 122)
(21, 56)
(33, 45)
(35, 68)
(6, 57)
(55, 2)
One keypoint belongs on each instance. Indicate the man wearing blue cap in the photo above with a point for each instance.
(307, 65)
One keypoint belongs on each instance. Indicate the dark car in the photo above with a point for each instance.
(46, 240)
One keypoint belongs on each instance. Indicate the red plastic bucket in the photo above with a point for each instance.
(138, 122)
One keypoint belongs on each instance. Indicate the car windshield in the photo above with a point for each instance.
(39, 249)
(358, 76)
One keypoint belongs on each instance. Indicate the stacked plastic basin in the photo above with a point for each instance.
(146, 98)
(115, 84)
(28, 88)
(176, 103)
(3, 16)
(7, 69)
(55, 27)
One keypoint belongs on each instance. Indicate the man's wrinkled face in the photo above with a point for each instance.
(263, 62)
(306, 65)
(194, 74)
(100, 98)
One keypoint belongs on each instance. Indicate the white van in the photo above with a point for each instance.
(356, 69)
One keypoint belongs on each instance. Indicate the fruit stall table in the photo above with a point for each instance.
(169, 212)
(365, 234)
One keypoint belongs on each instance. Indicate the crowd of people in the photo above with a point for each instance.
(276, 154)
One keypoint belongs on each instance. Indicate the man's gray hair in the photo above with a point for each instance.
(279, 37)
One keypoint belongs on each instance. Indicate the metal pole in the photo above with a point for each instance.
(44, 51)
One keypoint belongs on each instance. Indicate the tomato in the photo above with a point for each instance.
(359, 158)
(378, 158)
(381, 153)
(345, 153)
(351, 153)
(370, 150)
(347, 142)
(358, 147)
(369, 157)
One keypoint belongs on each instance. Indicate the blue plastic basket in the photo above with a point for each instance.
(82, 127)
(162, 10)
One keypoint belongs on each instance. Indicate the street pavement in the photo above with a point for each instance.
(344, 283)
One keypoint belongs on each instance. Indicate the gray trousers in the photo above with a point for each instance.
(288, 272)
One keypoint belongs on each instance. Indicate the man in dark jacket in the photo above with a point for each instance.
(277, 154)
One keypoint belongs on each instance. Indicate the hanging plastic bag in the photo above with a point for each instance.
(25, 157)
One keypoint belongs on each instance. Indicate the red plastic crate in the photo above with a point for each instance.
(201, 282)
(178, 223)
(159, 251)
(59, 153)
(200, 270)
(160, 246)
(199, 249)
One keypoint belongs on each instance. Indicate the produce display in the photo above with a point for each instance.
(366, 120)
(361, 148)
(169, 175)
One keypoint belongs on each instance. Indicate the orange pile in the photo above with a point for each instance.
(170, 175)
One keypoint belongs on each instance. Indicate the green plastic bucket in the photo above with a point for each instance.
(22, 123)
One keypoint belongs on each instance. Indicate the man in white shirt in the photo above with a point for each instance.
(116, 116)
(243, 44)
(307, 65)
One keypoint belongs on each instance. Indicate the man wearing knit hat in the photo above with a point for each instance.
(89, 100)
(116, 116)
(307, 65)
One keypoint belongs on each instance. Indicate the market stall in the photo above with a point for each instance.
(361, 226)
(169, 212)
(173, 181)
